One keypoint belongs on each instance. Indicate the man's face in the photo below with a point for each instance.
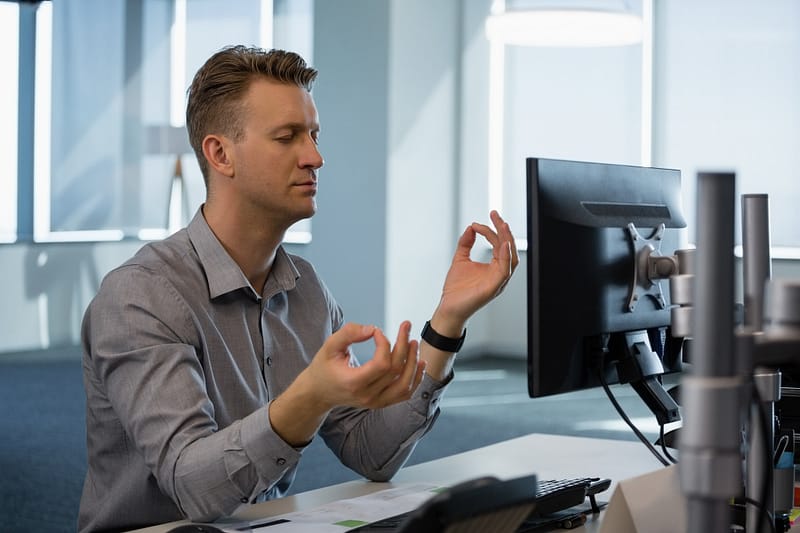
(277, 159)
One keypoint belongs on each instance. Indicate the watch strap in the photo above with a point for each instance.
(440, 342)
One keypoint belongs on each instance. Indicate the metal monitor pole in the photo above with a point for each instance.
(711, 463)
(756, 260)
(757, 270)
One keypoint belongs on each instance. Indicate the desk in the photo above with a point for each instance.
(549, 456)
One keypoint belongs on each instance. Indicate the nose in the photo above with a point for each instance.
(311, 156)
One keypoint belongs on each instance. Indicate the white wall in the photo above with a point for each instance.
(726, 87)
(47, 287)
(421, 168)
(351, 41)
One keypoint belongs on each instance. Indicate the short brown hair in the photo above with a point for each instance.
(214, 97)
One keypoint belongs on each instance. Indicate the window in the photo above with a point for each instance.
(724, 85)
(727, 100)
(109, 99)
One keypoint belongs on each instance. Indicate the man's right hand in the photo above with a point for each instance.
(391, 375)
(332, 379)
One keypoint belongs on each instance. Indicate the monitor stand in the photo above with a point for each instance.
(642, 368)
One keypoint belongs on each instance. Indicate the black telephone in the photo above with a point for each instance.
(475, 506)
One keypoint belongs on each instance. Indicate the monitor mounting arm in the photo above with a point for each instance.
(649, 267)
(641, 367)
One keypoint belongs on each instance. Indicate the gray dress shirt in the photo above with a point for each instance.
(181, 359)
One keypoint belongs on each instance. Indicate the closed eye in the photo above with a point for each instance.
(287, 136)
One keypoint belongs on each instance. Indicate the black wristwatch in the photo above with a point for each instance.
(440, 342)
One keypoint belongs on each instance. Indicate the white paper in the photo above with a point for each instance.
(342, 515)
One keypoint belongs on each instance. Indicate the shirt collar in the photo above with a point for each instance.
(223, 273)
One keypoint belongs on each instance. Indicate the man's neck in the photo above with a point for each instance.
(251, 243)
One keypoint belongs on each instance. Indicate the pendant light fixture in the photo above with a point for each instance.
(564, 24)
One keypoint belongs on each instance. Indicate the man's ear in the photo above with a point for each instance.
(218, 153)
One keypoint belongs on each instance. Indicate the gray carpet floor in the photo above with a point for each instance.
(43, 451)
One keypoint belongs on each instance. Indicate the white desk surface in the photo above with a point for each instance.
(548, 456)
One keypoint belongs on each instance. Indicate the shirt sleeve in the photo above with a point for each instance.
(154, 380)
(376, 443)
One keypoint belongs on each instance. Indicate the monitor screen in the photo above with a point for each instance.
(594, 230)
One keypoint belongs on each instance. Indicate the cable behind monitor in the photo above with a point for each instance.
(625, 417)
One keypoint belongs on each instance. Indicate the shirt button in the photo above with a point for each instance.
(269, 361)
(426, 395)
(243, 500)
(281, 461)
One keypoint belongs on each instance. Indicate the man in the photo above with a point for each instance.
(212, 358)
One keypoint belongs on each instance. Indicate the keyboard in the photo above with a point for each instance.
(558, 494)
(552, 497)
(555, 499)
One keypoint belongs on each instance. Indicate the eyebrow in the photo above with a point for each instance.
(295, 126)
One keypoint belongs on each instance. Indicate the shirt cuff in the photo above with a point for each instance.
(427, 396)
(271, 456)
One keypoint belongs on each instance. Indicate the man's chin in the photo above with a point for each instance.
(306, 214)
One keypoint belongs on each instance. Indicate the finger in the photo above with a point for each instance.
(367, 382)
(501, 249)
(505, 235)
(497, 220)
(401, 388)
(501, 226)
(505, 260)
(505, 268)
(392, 365)
(350, 333)
(403, 354)
(406, 379)
(487, 233)
(514, 253)
(418, 371)
(381, 362)
(465, 243)
(501, 239)
(401, 346)
(387, 365)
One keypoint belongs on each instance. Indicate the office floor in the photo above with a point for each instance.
(42, 446)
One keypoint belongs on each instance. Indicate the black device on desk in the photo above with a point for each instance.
(561, 503)
(478, 505)
(489, 504)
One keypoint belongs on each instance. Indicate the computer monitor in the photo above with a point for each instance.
(599, 237)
